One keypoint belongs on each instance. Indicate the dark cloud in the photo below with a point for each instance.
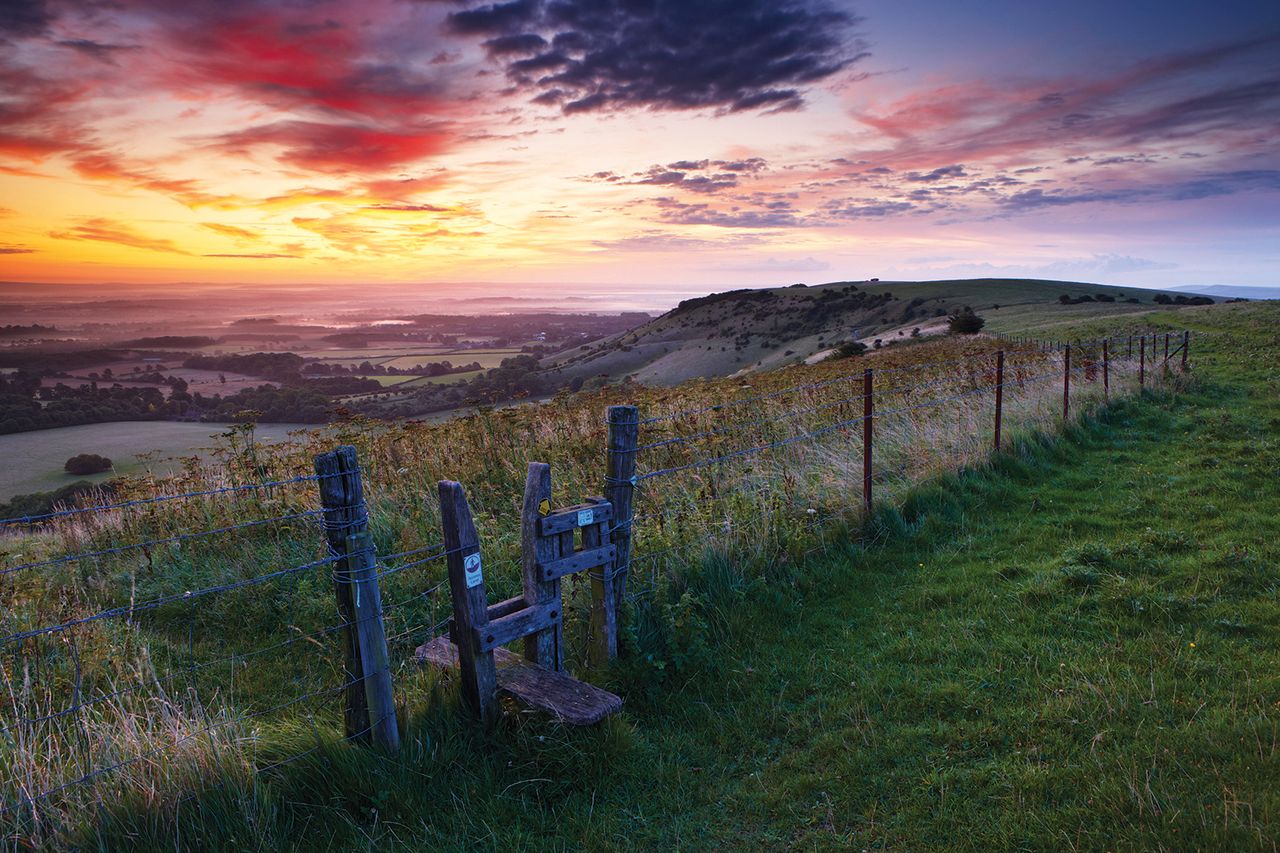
(15, 250)
(729, 55)
(409, 208)
(22, 18)
(943, 173)
(679, 213)
(104, 53)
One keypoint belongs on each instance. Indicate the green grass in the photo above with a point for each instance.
(1074, 647)
(1002, 658)
(136, 448)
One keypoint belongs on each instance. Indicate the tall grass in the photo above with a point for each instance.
(209, 690)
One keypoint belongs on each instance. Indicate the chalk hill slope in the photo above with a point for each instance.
(743, 330)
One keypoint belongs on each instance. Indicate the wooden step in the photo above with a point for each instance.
(558, 694)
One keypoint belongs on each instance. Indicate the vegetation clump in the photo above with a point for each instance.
(87, 463)
(965, 322)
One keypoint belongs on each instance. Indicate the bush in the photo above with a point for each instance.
(965, 323)
(87, 463)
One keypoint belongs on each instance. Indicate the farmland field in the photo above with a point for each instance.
(43, 453)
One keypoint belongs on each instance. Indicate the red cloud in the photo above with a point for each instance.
(338, 148)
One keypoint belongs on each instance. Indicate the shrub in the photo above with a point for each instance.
(87, 463)
(965, 323)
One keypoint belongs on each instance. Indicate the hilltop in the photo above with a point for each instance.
(724, 334)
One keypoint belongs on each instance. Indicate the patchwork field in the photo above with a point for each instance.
(136, 447)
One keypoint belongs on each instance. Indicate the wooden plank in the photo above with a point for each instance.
(545, 648)
(620, 487)
(503, 608)
(466, 583)
(569, 700)
(573, 517)
(580, 561)
(603, 644)
(513, 626)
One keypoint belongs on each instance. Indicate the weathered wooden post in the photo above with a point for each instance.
(999, 393)
(1130, 355)
(1186, 347)
(620, 486)
(1066, 381)
(1166, 346)
(868, 412)
(470, 606)
(1106, 372)
(604, 613)
(1142, 362)
(546, 647)
(370, 706)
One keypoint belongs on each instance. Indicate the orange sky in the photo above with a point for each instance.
(400, 141)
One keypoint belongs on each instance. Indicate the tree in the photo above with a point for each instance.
(87, 463)
(965, 323)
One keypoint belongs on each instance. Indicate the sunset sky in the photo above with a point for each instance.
(712, 143)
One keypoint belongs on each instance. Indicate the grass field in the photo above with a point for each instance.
(1072, 647)
(37, 457)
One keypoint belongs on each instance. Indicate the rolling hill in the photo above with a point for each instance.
(743, 330)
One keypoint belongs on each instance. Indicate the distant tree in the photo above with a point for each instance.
(1065, 299)
(965, 323)
(87, 463)
(1162, 299)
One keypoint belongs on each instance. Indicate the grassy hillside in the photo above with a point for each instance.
(998, 659)
(742, 330)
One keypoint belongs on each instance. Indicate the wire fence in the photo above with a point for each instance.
(150, 644)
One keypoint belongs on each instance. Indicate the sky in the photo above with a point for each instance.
(686, 143)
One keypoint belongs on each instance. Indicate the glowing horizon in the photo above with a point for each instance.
(420, 141)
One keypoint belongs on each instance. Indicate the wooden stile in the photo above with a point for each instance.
(470, 608)
(544, 648)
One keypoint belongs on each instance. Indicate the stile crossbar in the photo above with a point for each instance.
(479, 630)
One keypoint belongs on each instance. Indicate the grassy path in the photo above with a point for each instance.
(1078, 649)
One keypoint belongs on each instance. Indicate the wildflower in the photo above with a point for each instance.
(1192, 645)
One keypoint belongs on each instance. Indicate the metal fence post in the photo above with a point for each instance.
(1066, 381)
(1106, 371)
(620, 487)
(999, 393)
(868, 411)
(370, 705)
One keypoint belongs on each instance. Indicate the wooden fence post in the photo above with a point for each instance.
(1106, 372)
(1166, 346)
(1130, 355)
(868, 411)
(546, 647)
(620, 487)
(999, 393)
(1066, 381)
(1142, 362)
(470, 604)
(365, 664)
(604, 614)
(1186, 347)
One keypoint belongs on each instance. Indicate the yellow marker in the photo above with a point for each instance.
(544, 507)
